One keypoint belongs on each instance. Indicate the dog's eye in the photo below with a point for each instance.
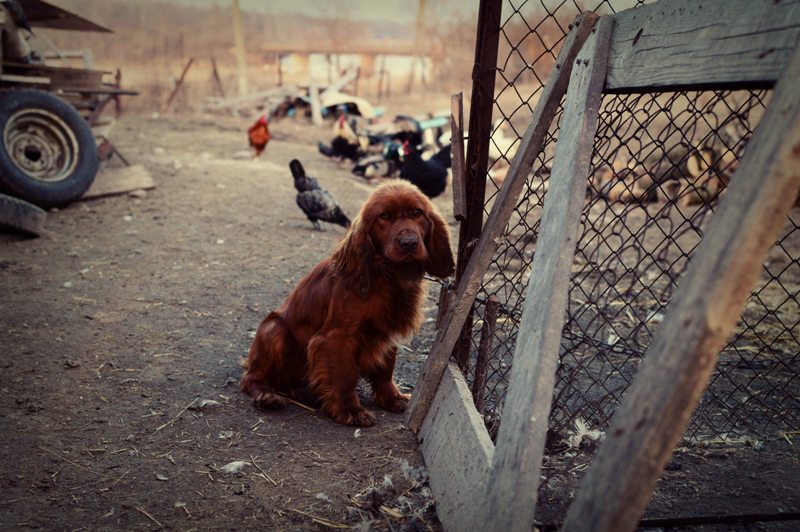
(384, 215)
(416, 213)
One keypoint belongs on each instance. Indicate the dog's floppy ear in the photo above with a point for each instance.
(440, 257)
(353, 256)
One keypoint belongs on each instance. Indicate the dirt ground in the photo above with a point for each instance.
(123, 329)
(123, 332)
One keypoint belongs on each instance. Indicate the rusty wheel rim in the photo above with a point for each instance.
(41, 145)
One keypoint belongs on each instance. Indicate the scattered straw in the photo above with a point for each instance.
(79, 466)
(320, 520)
(153, 519)
(262, 471)
(171, 421)
(298, 403)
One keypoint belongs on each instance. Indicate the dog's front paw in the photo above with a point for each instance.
(394, 403)
(359, 417)
(268, 400)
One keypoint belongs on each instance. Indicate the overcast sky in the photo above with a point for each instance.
(398, 10)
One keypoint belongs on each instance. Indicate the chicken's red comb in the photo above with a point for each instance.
(263, 119)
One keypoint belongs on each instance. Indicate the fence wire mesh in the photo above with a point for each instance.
(661, 163)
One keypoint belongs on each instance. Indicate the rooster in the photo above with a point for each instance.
(316, 202)
(430, 176)
(346, 143)
(259, 136)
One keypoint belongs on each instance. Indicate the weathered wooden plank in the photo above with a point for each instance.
(709, 300)
(457, 152)
(674, 44)
(457, 451)
(470, 282)
(31, 80)
(120, 180)
(514, 478)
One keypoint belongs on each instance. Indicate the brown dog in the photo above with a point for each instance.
(344, 318)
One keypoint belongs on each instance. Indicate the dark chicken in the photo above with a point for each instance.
(316, 202)
(430, 176)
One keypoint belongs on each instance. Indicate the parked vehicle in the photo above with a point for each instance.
(48, 150)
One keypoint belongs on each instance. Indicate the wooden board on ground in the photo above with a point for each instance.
(119, 181)
(457, 449)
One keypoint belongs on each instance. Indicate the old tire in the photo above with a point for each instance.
(19, 216)
(48, 155)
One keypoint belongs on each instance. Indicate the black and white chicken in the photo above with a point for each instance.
(316, 202)
(346, 143)
(383, 164)
(430, 175)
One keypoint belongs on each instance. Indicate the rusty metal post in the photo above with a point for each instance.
(480, 123)
(484, 348)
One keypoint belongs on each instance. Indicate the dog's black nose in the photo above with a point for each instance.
(408, 242)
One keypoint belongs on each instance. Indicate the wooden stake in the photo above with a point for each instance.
(241, 55)
(381, 74)
(457, 150)
(216, 78)
(117, 99)
(178, 85)
(316, 108)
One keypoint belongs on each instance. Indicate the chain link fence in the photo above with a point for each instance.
(661, 163)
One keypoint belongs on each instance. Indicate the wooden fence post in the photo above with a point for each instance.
(457, 152)
(484, 74)
(316, 106)
(239, 48)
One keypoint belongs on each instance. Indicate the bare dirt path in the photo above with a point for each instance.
(122, 334)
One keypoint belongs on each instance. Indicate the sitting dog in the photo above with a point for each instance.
(344, 318)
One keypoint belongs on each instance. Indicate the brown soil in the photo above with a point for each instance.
(123, 332)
